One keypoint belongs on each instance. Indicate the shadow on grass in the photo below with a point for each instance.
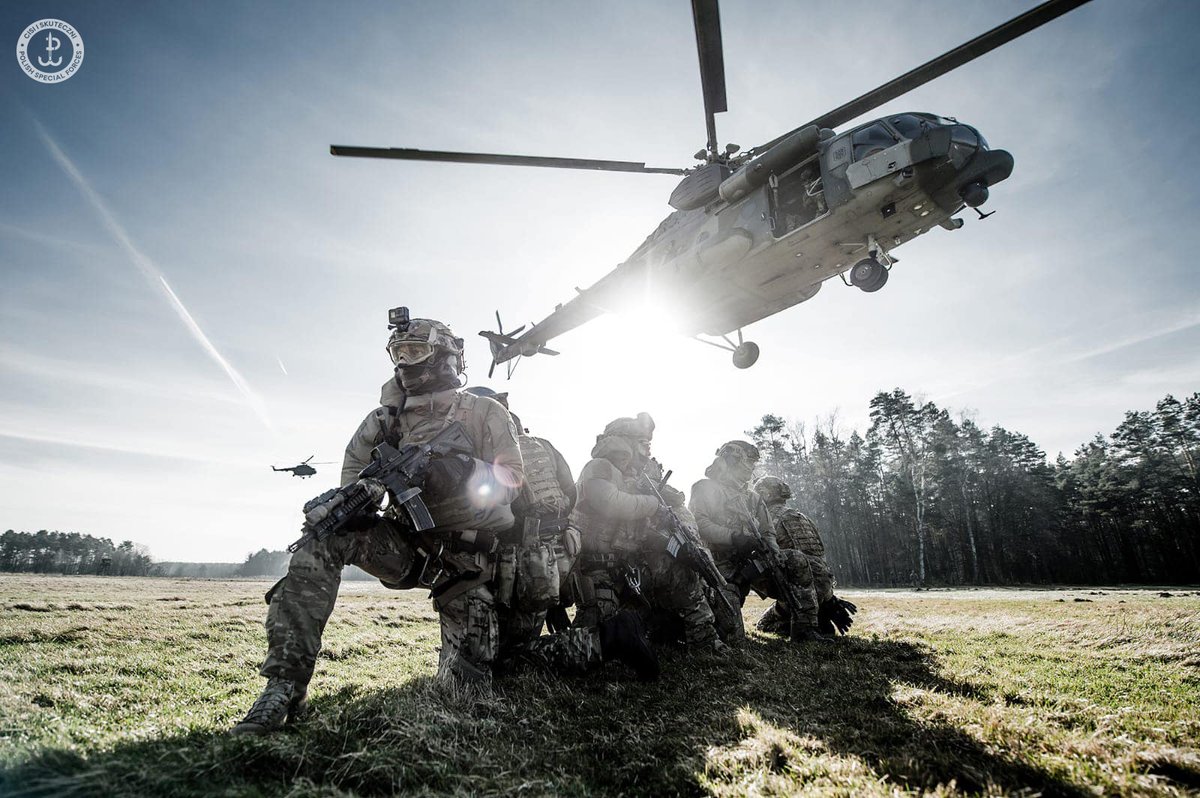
(603, 735)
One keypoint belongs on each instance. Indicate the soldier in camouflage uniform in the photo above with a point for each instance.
(469, 500)
(624, 560)
(795, 530)
(724, 506)
(542, 535)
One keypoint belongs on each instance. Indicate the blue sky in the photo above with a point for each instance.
(199, 134)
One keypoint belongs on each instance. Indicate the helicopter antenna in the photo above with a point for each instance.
(712, 67)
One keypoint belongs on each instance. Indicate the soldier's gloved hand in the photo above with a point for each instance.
(837, 613)
(447, 474)
(320, 508)
(672, 496)
(661, 518)
(743, 542)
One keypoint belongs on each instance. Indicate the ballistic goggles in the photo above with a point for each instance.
(410, 353)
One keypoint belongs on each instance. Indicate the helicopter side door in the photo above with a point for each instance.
(796, 197)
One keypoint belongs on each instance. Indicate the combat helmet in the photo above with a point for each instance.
(773, 490)
(738, 450)
(416, 342)
(640, 428)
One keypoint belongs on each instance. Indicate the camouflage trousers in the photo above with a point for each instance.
(476, 634)
(777, 619)
(479, 636)
(666, 586)
(799, 575)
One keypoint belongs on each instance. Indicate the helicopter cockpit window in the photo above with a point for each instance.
(872, 139)
(908, 125)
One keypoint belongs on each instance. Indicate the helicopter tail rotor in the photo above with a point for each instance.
(498, 341)
(508, 348)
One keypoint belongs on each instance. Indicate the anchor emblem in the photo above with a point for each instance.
(52, 44)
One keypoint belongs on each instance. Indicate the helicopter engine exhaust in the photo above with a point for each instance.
(792, 150)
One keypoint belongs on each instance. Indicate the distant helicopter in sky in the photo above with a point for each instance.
(756, 232)
(304, 469)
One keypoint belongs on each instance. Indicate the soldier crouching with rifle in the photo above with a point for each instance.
(795, 530)
(451, 465)
(625, 559)
(539, 551)
(734, 522)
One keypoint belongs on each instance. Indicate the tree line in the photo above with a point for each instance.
(927, 498)
(71, 553)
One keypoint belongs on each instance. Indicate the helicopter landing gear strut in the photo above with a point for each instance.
(745, 353)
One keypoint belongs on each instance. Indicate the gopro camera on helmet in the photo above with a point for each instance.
(398, 318)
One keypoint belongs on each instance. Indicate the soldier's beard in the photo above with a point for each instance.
(439, 376)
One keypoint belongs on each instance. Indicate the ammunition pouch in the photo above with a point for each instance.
(583, 589)
(538, 582)
(506, 575)
(472, 541)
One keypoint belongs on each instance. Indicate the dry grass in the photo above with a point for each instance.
(122, 686)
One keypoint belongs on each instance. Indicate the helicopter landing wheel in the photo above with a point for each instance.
(868, 275)
(746, 355)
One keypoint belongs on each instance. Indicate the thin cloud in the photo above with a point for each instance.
(1187, 322)
(105, 446)
(152, 273)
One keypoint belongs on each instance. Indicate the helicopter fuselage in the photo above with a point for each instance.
(768, 231)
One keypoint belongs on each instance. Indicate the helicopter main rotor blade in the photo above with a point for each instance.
(406, 154)
(953, 59)
(712, 64)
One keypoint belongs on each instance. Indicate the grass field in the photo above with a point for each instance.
(126, 687)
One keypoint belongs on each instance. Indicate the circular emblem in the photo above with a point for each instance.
(50, 50)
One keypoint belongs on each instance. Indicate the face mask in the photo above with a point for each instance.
(416, 380)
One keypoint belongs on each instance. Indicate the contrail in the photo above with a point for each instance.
(280, 362)
(152, 273)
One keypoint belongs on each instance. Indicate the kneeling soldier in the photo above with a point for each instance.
(795, 530)
(468, 497)
(734, 522)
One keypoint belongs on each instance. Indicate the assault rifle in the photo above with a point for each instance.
(771, 558)
(397, 472)
(684, 543)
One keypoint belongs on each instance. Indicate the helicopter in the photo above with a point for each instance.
(755, 232)
(303, 469)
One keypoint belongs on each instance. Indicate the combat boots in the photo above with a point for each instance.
(805, 633)
(281, 700)
(622, 639)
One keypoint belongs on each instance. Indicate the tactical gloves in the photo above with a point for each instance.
(447, 474)
(661, 518)
(742, 542)
(672, 496)
(835, 613)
